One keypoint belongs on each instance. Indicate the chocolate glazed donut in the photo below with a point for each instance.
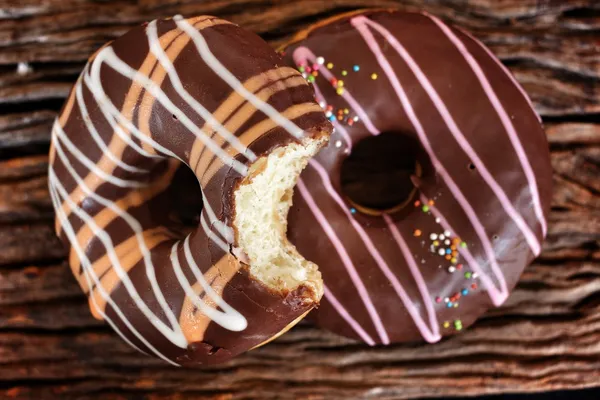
(475, 201)
(167, 99)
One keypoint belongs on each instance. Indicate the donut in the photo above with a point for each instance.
(172, 166)
(433, 193)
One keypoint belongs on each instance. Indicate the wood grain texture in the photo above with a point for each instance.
(547, 336)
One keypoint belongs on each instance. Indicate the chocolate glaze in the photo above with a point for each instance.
(130, 209)
(410, 74)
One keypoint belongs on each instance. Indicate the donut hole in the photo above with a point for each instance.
(379, 174)
(262, 202)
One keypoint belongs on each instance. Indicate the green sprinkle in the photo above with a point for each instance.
(301, 69)
(463, 245)
(468, 275)
(425, 208)
(311, 78)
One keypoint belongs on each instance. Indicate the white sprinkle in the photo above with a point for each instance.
(328, 113)
(24, 68)
(320, 60)
(447, 233)
(355, 118)
(437, 220)
(441, 252)
(322, 104)
(338, 144)
(446, 242)
(446, 299)
(442, 237)
(304, 75)
(433, 236)
(475, 275)
(451, 269)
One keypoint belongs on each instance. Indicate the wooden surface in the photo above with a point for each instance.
(546, 337)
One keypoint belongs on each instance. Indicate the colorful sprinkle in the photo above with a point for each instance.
(311, 78)
(344, 73)
(417, 232)
(465, 292)
(463, 245)
(438, 299)
(329, 65)
(458, 325)
(425, 208)
(374, 76)
(417, 203)
(468, 275)
(353, 210)
(356, 68)
(446, 324)
(340, 91)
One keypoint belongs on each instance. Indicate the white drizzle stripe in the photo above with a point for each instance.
(454, 189)
(160, 54)
(222, 228)
(112, 115)
(94, 133)
(347, 317)
(506, 120)
(135, 226)
(62, 137)
(383, 266)
(174, 335)
(347, 261)
(222, 245)
(232, 81)
(108, 56)
(498, 296)
(230, 318)
(360, 23)
(89, 271)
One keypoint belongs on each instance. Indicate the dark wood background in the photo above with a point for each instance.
(546, 337)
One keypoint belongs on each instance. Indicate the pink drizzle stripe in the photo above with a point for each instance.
(434, 334)
(502, 66)
(410, 307)
(457, 193)
(508, 125)
(530, 237)
(348, 318)
(347, 261)
(498, 296)
(303, 54)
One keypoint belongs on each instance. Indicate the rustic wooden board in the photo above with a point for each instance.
(546, 337)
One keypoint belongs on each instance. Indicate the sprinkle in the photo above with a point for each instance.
(355, 118)
(333, 82)
(340, 83)
(328, 113)
(315, 73)
(338, 144)
(465, 292)
(340, 91)
(346, 111)
(459, 267)
(320, 60)
(455, 305)
(446, 324)
(449, 305)
(438, 299)
(431, 202)
(417, 232)
(436, 243)
(322, 104)
(340, 117)
(454, 253)
(425, 208)
(329, 65)
(446, 242)
(433, 236)
(344, 73)
(353, 210)
(463, 245)
(356, 68)
(458, 325)
(332, 118)
(446, 299)
(448, 257)
(468, 275)
(441, 252)
(437, 220)
(417, 203)
(475, 275)
(308, 69)
(373, 76)
(442, 237)
(447, 233)
(474, 286)
(451, 269)
(350, 122)
(315, 67)
(311, 78)
(448, 251)
(453, 260)
(330, 108)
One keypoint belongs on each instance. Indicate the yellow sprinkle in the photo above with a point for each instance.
(340, 83)
(373, 76)
(436, 243)
(340, 91)
(344, 72)
(453, 260)
(446, 324)
(329, 65)
(346, 111)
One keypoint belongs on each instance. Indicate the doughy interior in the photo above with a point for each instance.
(262, 203)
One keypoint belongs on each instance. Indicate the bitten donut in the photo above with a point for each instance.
(464, 158)
(172, 106)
